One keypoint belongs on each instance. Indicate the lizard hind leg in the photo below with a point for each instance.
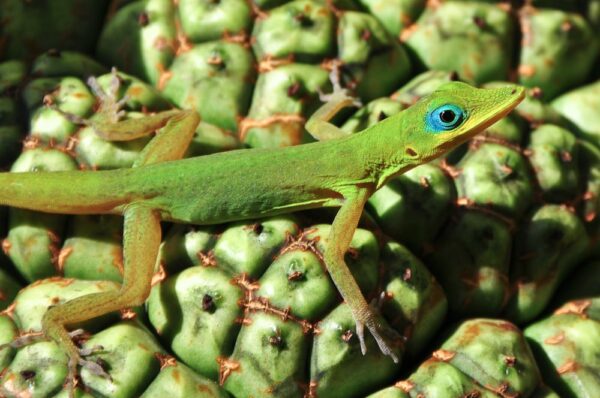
(140, 249)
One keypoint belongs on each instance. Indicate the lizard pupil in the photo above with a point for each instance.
(447, 116)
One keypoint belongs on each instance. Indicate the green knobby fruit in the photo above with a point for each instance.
(413, 207)
(246, 248)
(566, 348)
(282, 91)
(38, 369)
(30, 28)
(552, 243)
(558, 50)
(415, 303)
(131, 353)
(183, 246)
(195, 312)
(12, 74)
(497, 177)
(336, 353)
(273, 325)
(580, 107)
(33, 240)
(210, 53)
(93, 248)
(395, 15)
(471, 259)
(269, 358)
(178, 381)
(218, 67)
(475, 40)
(554, 156)
(481, 358)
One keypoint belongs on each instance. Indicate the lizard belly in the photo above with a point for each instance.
(218, 203)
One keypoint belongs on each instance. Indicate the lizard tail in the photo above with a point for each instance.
(66, 192)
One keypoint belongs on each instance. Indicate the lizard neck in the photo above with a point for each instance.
(382, 150)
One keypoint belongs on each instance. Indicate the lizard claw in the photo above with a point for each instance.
(50, 103)
(95, 367)
(25, 339)
(386, 337)
(84, 352)
(111, 108)
(339, 93)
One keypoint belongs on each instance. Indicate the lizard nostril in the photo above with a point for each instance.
(411, 152)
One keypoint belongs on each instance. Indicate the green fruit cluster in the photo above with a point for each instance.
(488, 234)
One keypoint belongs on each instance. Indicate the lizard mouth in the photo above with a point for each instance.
(500, 102)
(508, 98)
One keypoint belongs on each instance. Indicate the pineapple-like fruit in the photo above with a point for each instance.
(254, 68)
(246, 309)
(501, 221)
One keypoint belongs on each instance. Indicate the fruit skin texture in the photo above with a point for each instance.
(30, 28)
(254, 70)
(559, 50)
(467, 278)
(299, 192)
(286, 308)
(475, 40)
(566, 347)
(504, 220)
(481, 357)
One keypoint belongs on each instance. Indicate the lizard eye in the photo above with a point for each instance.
(444, 118)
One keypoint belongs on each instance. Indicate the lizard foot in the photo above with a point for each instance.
(95, 367)
(25, 339)
(386, 338)
(77, 359)
(110, 108)
(339, 93)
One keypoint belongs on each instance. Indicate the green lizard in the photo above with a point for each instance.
(339, 170)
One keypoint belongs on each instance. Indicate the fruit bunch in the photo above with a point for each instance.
(485, 261)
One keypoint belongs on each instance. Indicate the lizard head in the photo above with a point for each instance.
(455, 113)
(448, 117)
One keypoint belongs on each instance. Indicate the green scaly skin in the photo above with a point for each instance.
(340, 170)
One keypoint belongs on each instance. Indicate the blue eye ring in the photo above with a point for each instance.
(444, 118)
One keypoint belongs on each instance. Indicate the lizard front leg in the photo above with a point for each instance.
(339, 239)
(142, 235)
(318, 125)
